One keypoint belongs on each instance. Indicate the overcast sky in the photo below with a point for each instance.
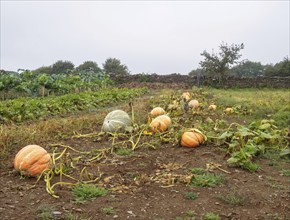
(148, 36)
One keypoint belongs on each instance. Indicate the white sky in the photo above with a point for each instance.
(160, 37)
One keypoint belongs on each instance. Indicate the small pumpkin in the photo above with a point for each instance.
(193, 104)
(160, 123)
(212, 107)
(192, 138)
(157, 111)
(186, 96)
(229, 110)
(32, 160)
(116, 120)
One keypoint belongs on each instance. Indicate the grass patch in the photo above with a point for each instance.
(250, 166)
(202, 178)
(45, 212)
(108, 211)
(190, 195)
(261, 103)
(198, 171)
(285, 172)
(123, 151)
(232, 198)
(211, 216)
(86, 191)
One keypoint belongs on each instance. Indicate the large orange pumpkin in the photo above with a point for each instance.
(192, 138)
(157, 111)
(160, 123)
(32, 160)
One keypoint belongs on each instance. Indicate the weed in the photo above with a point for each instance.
(207, 180)
(285, 172)
(233, 198)
(123, 151)
(191, 195)
(198, 171)
(108, 211)
(86, 191)
(71, 216)
(188, 215)
(211, 216)
(45, 212)
(250, 166)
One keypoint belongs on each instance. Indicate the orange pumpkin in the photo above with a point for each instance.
(160, 123)
(192, 138)
(186, 96)
(32, 160)
(193, 104)
(157, 111)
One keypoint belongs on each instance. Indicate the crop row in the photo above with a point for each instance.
(23, 109)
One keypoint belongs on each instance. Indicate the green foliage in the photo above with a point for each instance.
(45, 212)
(281, 69)
(285, 172)
(123, 151)
(86, 191)
(244, 143)
(43, 69)
(89, 66)
(198, 171)
(113, 66)
(248, 69)
(60, 67)
(233, 198)
(211, 216)
(191, 195)
(108, 211)
(23, 109)
(220, 63)
(206, 179)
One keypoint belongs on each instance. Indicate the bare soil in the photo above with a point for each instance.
(152, 184)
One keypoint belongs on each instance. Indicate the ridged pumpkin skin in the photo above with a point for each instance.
(32, 160)
(193, 104)
(157, 111)
(116, 121)
(160, 123)
(191, 139)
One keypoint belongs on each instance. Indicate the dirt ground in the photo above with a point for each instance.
(152, 184)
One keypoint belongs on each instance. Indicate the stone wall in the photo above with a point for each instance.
(231, 82)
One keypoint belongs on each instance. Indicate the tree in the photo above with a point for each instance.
(62, 67)
(113, 66)
(248, 68)
(44, 69)
(220, 63)
(89, 66)
(281, 69)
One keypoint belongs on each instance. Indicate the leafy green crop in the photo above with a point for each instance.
(244, 143)
(23, 109)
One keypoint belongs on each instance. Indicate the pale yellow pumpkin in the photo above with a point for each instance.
(212, 107)
(186, 96)
(193, 104)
